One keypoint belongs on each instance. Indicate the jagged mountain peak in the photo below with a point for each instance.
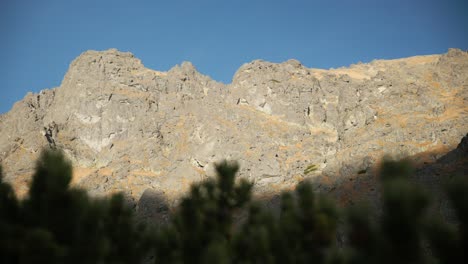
(185, 66)
(185, 71)
(128, 128)
(102, 65)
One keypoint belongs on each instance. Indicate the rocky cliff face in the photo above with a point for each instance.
(128, 128)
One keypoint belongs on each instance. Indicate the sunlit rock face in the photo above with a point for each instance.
(128, 128)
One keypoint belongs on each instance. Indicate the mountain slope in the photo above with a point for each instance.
(128, 128)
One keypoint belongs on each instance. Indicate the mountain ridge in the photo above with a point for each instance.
(128, 128)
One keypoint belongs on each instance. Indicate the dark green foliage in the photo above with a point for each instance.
(404, 206)
(203, 229)
(203, 226)
(306, 227)
(397, 237)
(9, 217)
(450, 242)
(58, 224)
(400, 234)
(255, 241)
(218, 223)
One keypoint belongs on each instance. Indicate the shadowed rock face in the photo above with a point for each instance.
(128, 128)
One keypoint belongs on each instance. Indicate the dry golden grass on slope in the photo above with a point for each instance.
(367, 71)
(80, 173)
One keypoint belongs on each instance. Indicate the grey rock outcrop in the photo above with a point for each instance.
(128, 128)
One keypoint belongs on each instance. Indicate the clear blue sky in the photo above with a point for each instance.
(39, 39)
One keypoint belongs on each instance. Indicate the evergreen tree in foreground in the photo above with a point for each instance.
(396, 236)
(202, 228)
(60, 224)
(450, 242)
(406, 232)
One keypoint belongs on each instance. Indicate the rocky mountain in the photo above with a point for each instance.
(129, 128)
